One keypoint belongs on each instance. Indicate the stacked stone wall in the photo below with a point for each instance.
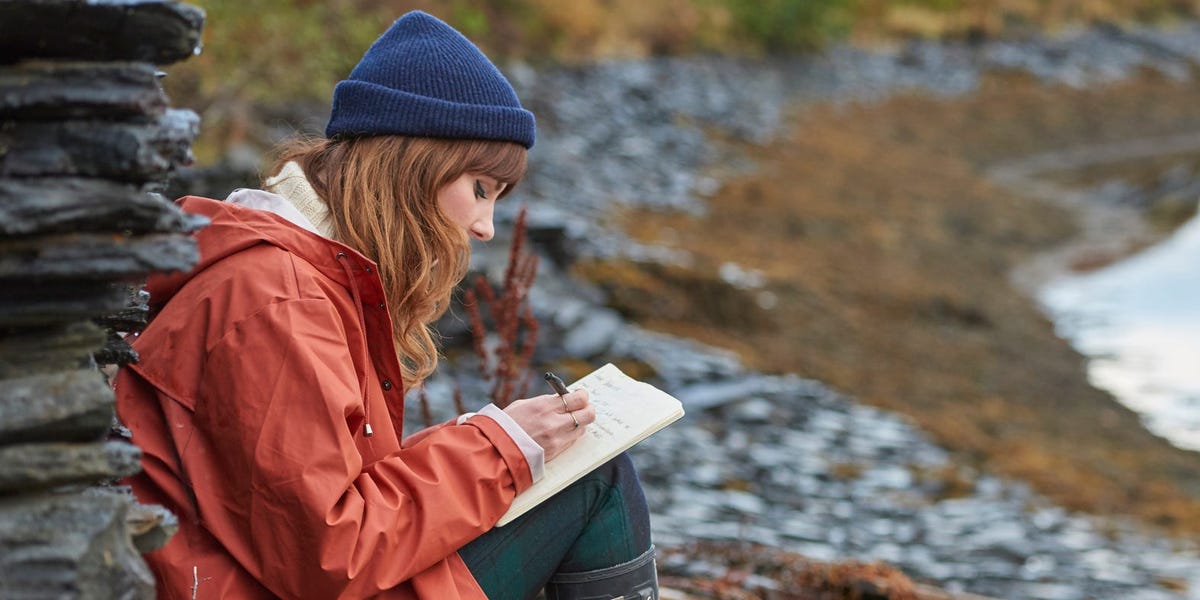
(87, 141)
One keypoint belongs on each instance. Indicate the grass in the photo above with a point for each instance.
(888, 254)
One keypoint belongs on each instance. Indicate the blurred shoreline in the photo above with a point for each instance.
(1121, 290)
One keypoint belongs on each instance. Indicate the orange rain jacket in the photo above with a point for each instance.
(259, 373)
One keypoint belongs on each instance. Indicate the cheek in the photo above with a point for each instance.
(456, 205)
(464, 213)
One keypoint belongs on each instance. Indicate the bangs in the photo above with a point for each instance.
(502, 161)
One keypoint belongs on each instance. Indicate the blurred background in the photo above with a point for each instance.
(972, 222)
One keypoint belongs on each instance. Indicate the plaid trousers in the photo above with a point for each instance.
(595, 523)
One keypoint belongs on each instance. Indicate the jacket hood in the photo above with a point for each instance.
(234, 228)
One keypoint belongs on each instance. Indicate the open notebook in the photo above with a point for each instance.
(627, 412)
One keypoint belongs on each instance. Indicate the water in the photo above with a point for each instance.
(1138, 322)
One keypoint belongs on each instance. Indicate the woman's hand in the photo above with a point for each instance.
(547, 419)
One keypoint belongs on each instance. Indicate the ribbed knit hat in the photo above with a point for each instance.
(423, 78)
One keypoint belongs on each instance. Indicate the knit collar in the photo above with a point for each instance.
(293, 185)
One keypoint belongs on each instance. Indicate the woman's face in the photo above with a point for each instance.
(468, 201)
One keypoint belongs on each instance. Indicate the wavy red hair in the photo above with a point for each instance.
(382, 197)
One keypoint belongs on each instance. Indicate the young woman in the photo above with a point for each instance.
(269, 396)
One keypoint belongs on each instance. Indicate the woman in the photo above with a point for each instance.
(269, 396)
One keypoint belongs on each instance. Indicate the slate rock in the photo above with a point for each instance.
(709, 395)
(38, 350)
(48, 302)
(93, 256)
(594, 335)
(81, 90)
(150, 525)
(134, 315)
(130, 152)
(73, 546)
(40, 205)
(116, 351)
(68, 406)
(154, 31)
(32, 466)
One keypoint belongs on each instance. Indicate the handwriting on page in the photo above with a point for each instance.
(627, 411)
(607, 423)
(612, 412)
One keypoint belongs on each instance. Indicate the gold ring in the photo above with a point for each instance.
(574, 419)
(565, 407)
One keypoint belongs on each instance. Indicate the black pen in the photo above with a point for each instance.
(556, 384)
(561, 389)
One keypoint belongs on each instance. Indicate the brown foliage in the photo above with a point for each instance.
(759, 572)
(506, 364)
(512, 318)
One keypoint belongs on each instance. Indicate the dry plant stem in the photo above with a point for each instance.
(471, 302)
(459, 407)
(522, 269)
(528, 344)
(514, 323)
(514, 252)
(517, 360)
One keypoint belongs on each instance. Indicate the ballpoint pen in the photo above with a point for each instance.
(556, 384)
(560, 388)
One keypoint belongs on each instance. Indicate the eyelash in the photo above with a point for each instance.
(479, 191)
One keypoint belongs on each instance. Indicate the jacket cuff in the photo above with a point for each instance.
(535, 455)
(514, 458)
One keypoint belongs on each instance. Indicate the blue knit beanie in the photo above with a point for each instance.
(423, 78)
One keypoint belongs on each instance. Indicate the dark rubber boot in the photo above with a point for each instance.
(634, 580)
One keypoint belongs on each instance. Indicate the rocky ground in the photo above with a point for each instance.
(779, 459)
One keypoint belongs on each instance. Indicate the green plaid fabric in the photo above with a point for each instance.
(598, 522)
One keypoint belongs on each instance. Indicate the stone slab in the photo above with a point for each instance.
(38, 350)
(70, 546)
(134, 315)
(116, 351)
(45, 90)
(26, 467)
(36, 304)
(94, 256)
(151, 526)
(40, 205)
(69, 406)
(129, 152)
(154, 31)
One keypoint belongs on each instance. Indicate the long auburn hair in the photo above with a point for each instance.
(382, 197)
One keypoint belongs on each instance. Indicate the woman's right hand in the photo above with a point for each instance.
(545, 418)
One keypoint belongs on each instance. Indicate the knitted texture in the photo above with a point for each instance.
(423, 78)
(293, 185)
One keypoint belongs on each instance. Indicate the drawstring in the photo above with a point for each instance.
(362, 384)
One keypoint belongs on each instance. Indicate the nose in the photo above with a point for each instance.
(482, 228)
